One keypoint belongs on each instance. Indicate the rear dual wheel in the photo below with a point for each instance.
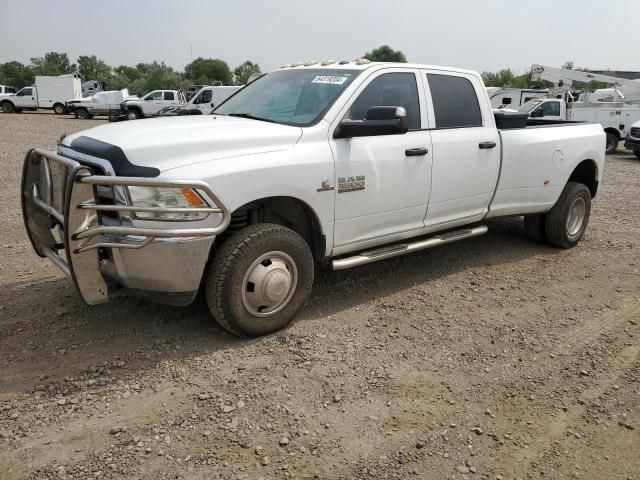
(259, 279)
(59, 109)
(7, 107)
(612, 142)
(564, 225)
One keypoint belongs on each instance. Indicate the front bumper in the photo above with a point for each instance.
(91, 240)
(632, 143)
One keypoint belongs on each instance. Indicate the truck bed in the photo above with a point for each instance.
(537, 161)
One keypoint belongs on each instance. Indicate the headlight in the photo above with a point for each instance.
(167, 198)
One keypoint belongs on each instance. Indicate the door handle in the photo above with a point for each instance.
(416, 152)
(487, 145)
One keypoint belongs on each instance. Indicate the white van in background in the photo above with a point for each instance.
(48, 92)
(513, 97)
(203, 102)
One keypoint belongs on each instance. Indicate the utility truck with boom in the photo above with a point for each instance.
(332, 164)
(615, 109)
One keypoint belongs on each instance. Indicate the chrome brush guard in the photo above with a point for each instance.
(62, 213)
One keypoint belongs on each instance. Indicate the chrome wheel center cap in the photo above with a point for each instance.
(276, 285)
(269, 284)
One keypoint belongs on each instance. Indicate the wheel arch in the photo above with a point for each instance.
(287, 211)
(614, 131)
(586, 172)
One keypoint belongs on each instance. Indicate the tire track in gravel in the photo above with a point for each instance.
(555, 425)
(72, 441)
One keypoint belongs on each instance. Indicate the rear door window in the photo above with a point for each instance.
(169, 96)
(455, 102)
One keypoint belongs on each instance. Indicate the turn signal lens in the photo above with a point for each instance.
(192, 197)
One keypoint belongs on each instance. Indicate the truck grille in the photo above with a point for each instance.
(635, 132)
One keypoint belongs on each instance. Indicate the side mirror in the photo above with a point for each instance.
(380, 120)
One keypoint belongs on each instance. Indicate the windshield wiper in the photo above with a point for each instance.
(250, 116)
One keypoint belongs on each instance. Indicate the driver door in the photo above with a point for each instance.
(382, 183)
(204, 101)
(26, 98)
(152, 103)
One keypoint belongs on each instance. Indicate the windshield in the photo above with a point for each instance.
(530, 105)
(293, 97)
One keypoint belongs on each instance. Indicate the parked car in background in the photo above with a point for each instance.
(513, 97)
(632, 142)
(151, 104)
(47, 92)
(191, 90)
(203, 102)
(6, 90)
(92, 86)
(616, 118)
(101, 103)
(340, 164)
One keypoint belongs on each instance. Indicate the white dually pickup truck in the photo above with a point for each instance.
(335, 164)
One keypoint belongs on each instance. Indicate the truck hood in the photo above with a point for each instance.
(166, 143)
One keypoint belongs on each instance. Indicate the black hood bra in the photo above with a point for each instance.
(114, 154)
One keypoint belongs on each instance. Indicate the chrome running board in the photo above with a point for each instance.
(404, 248)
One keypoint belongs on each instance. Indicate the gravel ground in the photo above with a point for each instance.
(492, 358)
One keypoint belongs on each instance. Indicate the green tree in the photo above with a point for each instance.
(568, 65)
(92, 68)
(155, 76)
(53, 63)
(16, 74)
(385, 54)
(212, 70)
(123, 77)
(242, 72)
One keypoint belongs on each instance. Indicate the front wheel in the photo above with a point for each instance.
(82, 113)
(259, 279)
(636, 152)
(133, 115)
(567, 221)
(612, 142)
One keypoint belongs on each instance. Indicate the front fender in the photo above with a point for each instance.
(304, 172)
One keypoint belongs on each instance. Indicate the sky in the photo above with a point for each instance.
(479, 35)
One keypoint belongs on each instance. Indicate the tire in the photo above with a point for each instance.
(255, 253)
(534, 227)
(7, 107)
(59, 109)
(567, 221)
(612, 142)
(636, 152)
(133, 115)
(82, 113)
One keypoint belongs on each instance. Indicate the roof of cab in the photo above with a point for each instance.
(358, 65)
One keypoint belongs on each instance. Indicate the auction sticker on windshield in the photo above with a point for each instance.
(330, 79)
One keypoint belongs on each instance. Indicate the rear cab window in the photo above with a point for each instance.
(455, 101)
